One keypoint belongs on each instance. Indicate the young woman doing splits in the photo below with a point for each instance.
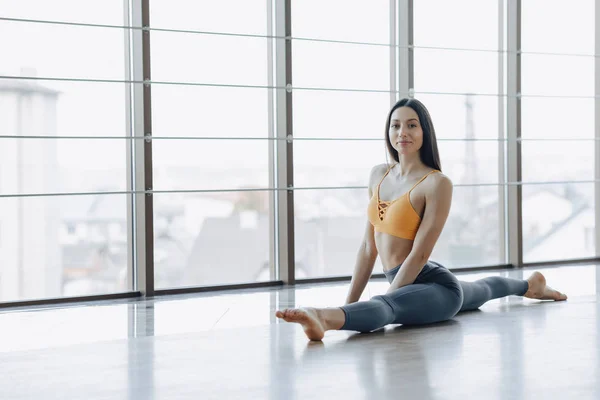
(409, 204)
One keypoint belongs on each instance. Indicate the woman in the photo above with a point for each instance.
(402, 230)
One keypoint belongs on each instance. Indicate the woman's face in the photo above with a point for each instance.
(406, 134)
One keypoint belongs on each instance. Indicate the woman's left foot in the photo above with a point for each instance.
(539, 290)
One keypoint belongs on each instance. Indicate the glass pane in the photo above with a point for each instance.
(209, 111)
(541, 18)
(62, 109)
(61, 51)
(351, 20)
(61, 165)
(557, 75)
(558, 222)
(470, 162)
(195, 232)
(340, 66)
(446, 71)
(108, 12)
(30, 166)
(80, 246)
(336, 163)
(204, 239)
(557, 161)
(472, 234)
(435, 24)
(328, 228)
(463, 117)
(340, 114)
(210, 164)
(209, 59)
(231, 16)
(551, 118)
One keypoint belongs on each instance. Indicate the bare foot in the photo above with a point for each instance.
(539, 290)
(308, 318)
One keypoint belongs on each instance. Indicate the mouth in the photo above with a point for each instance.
(403, 143)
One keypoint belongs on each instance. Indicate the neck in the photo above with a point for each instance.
(409, 163)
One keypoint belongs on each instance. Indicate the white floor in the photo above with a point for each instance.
(229, 345)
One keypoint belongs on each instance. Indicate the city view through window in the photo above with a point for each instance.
(71, 245)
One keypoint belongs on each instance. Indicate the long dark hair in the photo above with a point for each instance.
(429, 150)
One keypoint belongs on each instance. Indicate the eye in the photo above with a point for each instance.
(413, 125)
(395, 126)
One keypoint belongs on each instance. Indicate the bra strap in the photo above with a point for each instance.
(422, 179)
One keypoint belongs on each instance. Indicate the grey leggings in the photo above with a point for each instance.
(436, 295)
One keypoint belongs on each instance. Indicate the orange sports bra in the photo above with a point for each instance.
(397, 217)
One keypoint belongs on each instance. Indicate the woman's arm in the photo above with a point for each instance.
(365, 261)
(437, 207)
(367, 252)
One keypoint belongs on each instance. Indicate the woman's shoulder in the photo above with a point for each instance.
(439, 181)
(376, 174)
(378, 171)
(381, 168)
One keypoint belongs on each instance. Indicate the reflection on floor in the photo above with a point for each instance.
(229, 345)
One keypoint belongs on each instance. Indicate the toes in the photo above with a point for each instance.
(283, 314)
(289, 315)
(562, 296)
(292, 315)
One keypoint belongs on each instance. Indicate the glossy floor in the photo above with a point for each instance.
(229, 345)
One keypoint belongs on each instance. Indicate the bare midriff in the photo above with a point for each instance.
(392, 250)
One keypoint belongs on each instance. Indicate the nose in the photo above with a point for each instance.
(403, 131)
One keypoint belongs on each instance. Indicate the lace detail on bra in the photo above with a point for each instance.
(381, 209)
(396, 217)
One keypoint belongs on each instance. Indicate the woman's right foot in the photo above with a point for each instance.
(539, 290)
(308, 318)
